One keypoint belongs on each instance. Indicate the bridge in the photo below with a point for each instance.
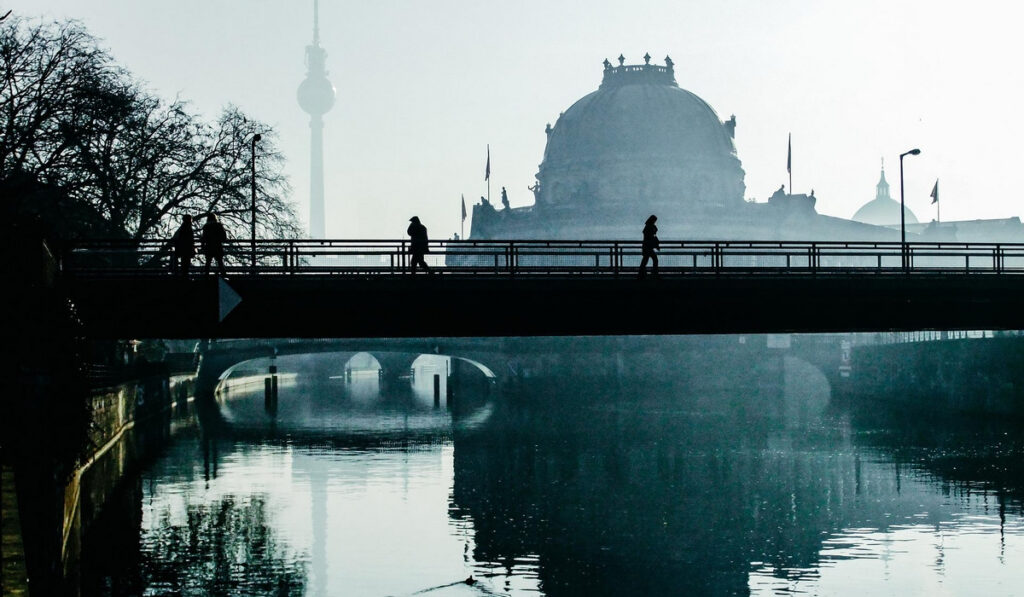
(363, 288)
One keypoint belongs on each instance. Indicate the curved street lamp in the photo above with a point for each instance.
(902, 210)
(255, 138)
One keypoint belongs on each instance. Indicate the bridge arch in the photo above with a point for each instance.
(395, 355)
(482, 368)
(361, 361)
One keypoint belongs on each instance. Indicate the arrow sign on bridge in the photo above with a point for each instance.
(227, 299)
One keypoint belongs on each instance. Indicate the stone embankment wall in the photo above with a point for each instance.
(982, 376)
(131, 422)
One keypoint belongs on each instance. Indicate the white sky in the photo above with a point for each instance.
(423, 86)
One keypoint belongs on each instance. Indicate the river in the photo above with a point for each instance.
(355, 490)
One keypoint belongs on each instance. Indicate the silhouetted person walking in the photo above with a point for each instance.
(649, 249)
(184, 244)
(418, 233)
(212, 242)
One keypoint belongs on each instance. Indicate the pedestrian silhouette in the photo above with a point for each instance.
(212, 242)
(184, 244)
(418, 233)
(649, 248)
(504, 198)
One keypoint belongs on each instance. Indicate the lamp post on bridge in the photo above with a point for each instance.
(903, 217)
(255, 138)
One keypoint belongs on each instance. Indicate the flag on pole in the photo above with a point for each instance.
(463, 207)
(487, 170)
(789, 156)
(935, 192)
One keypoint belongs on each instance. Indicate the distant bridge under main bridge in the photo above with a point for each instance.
(615, 360)
(363, 289)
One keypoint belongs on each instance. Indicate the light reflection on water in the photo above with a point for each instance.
(373, 496)
(366, 521)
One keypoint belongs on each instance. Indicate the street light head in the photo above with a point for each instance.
(259, 137)
(911, 152)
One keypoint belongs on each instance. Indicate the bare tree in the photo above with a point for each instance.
(75, 121)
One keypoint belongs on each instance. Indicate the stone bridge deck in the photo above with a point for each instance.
(348, 289)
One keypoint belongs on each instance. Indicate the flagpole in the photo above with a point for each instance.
(789, 162)
(488, 172)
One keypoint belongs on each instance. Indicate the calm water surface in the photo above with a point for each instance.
(354, 491)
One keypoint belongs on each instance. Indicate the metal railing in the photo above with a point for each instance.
(550, 257)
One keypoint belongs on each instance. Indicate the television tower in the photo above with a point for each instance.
(316, 97)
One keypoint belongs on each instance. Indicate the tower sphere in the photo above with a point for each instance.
(316, 95)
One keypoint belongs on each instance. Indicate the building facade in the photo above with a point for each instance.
(642, 145)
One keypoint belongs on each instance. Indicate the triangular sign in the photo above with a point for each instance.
(227, 299)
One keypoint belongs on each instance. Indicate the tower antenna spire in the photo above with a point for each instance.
(316, 22)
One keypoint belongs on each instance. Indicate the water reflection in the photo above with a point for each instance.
(225, 546)
(349, 492)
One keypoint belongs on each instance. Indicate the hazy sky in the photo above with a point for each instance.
(423, 86)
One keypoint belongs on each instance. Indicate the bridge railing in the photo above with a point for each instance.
(546, 257)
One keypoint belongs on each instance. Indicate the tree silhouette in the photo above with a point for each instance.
(126, 162)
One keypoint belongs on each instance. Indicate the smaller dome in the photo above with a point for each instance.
(883, 210)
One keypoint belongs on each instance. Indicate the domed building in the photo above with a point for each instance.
(640, 140)
(641, 145)
(883, 210)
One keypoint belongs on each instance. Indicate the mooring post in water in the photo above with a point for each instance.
(268, 396)
(273, 387)
(437, 390)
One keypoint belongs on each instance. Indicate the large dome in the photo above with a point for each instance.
(640, 140)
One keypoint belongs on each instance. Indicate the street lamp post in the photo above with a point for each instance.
(255, 138)
(903, 218)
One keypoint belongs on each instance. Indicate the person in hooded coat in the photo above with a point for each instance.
(649, 248)
(212, 241)
(418, 247)
(184, 244)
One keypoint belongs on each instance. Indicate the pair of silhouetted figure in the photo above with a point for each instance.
(418, 247)
(649, 248)
(212, 239)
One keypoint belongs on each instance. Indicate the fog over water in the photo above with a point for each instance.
(361, 486)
